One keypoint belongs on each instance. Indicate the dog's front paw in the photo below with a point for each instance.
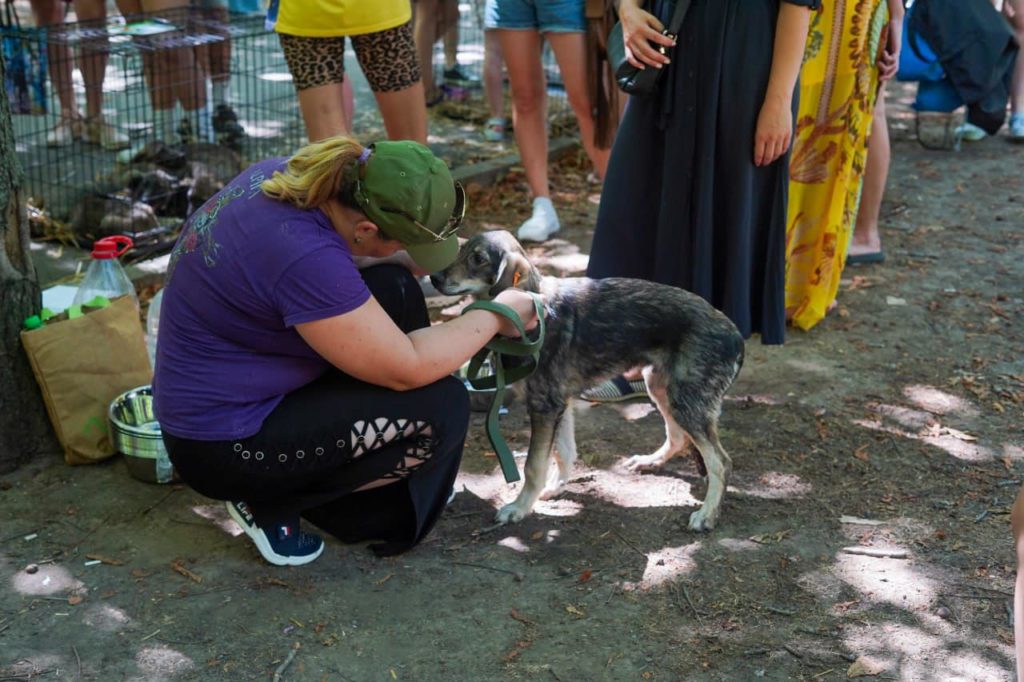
(511, 512)
(642, 463)
(703, 519)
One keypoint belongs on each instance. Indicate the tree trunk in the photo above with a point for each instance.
(24, 427)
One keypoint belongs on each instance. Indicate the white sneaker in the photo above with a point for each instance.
(542, 224)
(65, 132)
(1017, 128)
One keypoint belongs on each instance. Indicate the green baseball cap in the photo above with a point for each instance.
(411, 197)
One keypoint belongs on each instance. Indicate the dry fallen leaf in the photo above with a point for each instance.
(861, 453)
(575, 611)
(585, 576)
(863, 667)
(75, 599)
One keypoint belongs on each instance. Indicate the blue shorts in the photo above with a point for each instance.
(546, 16)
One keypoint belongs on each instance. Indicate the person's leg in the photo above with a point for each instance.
(1017, 525)
(348, 103)
(59, 60)
(494, 87)
(180, 74)
(94, 53)
(866, 238)
(571, 53)
(218, 65)
(425, 33)
(522, 51)
(317, 66)
(389, 61)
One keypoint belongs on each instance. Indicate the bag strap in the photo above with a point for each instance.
(678, 14)
(496, 349)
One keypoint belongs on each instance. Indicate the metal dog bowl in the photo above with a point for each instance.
(137, 436)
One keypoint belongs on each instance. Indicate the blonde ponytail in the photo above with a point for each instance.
(316, 173)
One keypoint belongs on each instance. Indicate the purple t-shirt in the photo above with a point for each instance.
(245, 271)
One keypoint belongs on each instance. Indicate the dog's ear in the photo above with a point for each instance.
(513, 269)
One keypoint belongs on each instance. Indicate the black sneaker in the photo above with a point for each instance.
(456, 75)
(284, 544)
(225, 122)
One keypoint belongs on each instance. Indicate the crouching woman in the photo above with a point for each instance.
(297, 374)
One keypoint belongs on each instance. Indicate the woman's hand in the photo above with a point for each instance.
(889, 61)
(521, 302)
(774, 130)
(639, 30)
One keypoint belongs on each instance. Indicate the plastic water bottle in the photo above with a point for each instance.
(153, 326)
(105, 276)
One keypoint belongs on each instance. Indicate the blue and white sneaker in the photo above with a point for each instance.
(1017, 127)
(284, 545)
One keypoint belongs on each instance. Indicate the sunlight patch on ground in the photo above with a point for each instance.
(161, 662)
(632, 491)
(49, 579)
(218, 516)
(906, 416)
(912, 653)
(936, 435)
(492, 488)
(665, 566)
(739, 545)
(1014, 453)
(565, 264)
(634, 410)
(262, 129)
(938, 401)
(774, 485)
(105, 617)
(891, 581)
(514, 543)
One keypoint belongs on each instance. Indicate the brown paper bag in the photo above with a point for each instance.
(81, 365)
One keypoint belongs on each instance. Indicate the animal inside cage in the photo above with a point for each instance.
(162, 145)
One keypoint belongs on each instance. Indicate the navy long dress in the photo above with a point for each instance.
(683, 203)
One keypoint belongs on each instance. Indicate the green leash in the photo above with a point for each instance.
(497, 348)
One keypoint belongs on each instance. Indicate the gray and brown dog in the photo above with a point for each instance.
(596, 329)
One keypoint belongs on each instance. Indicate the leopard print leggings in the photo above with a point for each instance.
(388, 59)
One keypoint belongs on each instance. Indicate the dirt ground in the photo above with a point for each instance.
(901, 411)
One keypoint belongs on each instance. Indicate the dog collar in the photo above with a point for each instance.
(496, 349)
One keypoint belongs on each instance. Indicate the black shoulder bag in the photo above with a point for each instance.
(636, 81)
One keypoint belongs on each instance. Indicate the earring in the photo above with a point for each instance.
(359, 239)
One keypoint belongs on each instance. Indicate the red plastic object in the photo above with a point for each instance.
(111, 247)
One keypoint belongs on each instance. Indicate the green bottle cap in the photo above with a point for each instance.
(45, 314)
(74, 311)
(32, 322)
(98, 302)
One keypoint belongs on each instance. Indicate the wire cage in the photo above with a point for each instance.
(162, 145)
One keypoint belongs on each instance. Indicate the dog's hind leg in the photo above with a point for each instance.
(565, 454)
(542, 437)
(676, 440)
(719, 466)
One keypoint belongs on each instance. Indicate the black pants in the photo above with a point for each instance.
(335, 435)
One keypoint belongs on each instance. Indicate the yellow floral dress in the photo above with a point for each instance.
(838, 85)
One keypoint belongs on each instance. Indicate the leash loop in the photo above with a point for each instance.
(497, 349)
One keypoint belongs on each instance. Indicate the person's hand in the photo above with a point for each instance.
(643, 37)
(889, 61)
(774, 130)
(521, 302)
